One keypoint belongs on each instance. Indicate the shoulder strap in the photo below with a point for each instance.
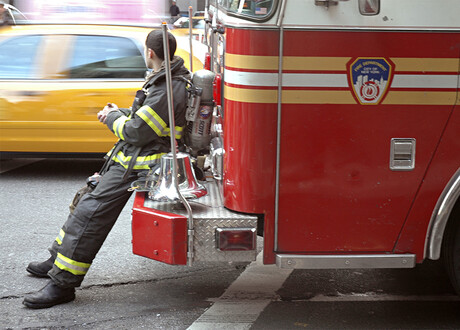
(131, 163)
(109, 160)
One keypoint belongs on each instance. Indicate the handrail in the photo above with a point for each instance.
(190, 28)
(173, 142)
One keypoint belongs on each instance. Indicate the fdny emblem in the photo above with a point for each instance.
(370, 79)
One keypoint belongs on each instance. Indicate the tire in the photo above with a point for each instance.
(451, 248)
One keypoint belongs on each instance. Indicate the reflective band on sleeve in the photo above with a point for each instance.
(72, 266)
(153, 120)
(179, 132)
(60, 237)
(118, 126)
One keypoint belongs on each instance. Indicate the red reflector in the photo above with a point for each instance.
(217, 89)
(207, 61)
(236, 239)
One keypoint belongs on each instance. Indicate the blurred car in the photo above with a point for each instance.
(13, 15)
(199, 14)
(54, 79)
(181, 27)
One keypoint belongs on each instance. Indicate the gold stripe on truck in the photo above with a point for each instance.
(289, 96)
(325, 63)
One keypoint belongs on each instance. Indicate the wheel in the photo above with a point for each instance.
(451, 248)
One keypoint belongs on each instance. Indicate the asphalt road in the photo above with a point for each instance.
(124, 291)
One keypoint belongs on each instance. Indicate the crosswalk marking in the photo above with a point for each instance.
(241, 304)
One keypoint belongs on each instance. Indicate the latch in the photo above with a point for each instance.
(327, 3)
(369, 7)
(402, 154)
(366, 7)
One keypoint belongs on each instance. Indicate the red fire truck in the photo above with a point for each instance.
(335, 135)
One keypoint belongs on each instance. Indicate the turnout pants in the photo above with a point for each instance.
(87, 227)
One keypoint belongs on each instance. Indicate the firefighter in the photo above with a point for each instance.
(143, 134)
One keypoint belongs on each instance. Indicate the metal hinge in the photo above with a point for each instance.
(190, 254)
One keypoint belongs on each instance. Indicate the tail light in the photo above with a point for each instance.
(236, 239)
(217, 89)
(207, 61)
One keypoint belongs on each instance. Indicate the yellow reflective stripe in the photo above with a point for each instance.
(323, 63)
(179, 132)
(251, 62)
(118, 126)
(152, 119)
(335, 63)
(155, 122)
(426, 64)
(121, 159)
(420, 98)
(142, 162)
(60, 237)
(72, 266)
(252, 95)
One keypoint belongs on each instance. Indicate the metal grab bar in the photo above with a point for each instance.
(169, 89)
(190, 28)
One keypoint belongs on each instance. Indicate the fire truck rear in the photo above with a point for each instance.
(335, 135)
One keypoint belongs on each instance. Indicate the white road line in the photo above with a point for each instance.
(241, 304)
(245, 299)
(372, 296)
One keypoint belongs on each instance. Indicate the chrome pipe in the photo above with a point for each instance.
(172, 125)
(167, 64)
(279, 117)
(190, 35)
(206, 27)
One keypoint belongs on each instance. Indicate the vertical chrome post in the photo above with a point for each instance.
(213, 38)
(206, 26)
(172, 131)
(279, 23)
(190, 34)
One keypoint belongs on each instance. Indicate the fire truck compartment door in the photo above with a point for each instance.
(158, 235)
(338, 192)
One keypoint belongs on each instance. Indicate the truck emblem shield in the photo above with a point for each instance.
(370, 79)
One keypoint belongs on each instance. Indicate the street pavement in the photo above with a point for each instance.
(125, 291)
(121, 290)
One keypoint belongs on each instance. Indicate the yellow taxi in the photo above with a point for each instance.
(55, 78)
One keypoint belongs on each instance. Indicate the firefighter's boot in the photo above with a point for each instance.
(49, 296)
(40, 269)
